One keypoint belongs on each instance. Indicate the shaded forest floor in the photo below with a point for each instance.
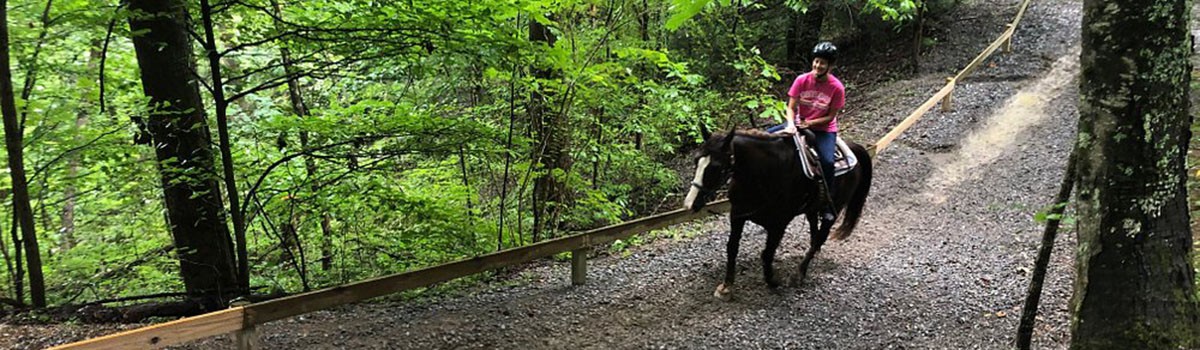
(940, 261)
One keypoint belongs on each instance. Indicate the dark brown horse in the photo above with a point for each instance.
(767, 187)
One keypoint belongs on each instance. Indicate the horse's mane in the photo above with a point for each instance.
(758, 134)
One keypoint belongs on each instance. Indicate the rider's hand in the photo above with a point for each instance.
(802, 125)
(790, 129)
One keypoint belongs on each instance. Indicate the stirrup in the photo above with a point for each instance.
(823, 193)
(828, 216)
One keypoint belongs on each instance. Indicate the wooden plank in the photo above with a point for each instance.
(1013, 26)
(615, 232)
(166, 334)
(1020, 13)
(330, 297)
(983, 56)
(1005, 37)
(334, 296)
(912, 118)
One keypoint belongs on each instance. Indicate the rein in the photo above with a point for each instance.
(703, 189)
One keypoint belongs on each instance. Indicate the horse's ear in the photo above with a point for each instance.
(728, 139)
(704, 132)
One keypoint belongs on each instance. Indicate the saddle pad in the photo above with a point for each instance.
(844, 159)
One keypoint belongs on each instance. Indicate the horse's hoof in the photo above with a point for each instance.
(797, 281)
(773, 283)
(723, 293)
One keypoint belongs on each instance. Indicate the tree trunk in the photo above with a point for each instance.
(918, 38)
(8, 261)
(222, 108)
(19, 274)
(504, 182)
(32, 69)
(310, 165)
(803, 35)
(14, 142)
(644, 32)
(15, 266)
(67, 239)
(466, 179)
(181, 141)
(551, 148)
(1134, 280)
(310, 168)
(1033, 295)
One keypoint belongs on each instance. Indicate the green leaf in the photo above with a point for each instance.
(685, 10)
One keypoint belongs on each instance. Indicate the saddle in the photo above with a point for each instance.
(843, 158)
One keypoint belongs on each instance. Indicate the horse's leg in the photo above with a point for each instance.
(774, 236)
(818, 233)
(731, 251)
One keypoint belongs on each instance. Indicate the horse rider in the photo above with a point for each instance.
(814, 101)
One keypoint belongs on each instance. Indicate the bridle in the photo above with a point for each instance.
(724, 172)
(704, 190)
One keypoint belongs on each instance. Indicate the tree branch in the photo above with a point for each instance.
(39, 169)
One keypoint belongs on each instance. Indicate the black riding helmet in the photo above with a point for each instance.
(825, 50)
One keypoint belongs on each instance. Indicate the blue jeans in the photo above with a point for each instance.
(826, 143)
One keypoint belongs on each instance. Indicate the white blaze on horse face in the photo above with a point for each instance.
(695, 192)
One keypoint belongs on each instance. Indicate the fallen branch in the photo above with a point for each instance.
(1033, 296)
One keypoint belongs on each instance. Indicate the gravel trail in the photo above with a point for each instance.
(940, 260)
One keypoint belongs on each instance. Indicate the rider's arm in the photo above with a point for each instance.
(825, 119)
(837, 101)
(791, 114)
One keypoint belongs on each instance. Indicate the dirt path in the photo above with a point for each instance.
(939, 262)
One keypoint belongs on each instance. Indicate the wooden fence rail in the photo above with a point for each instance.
(243, 320)
(169, 333)
(247, 317)
(945, 94)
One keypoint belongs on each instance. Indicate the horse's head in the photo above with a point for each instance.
(714, 166)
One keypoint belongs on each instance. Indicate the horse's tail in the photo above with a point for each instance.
(858, 200)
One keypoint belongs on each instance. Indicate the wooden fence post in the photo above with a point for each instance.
(946, 101)
(579, 266)
(1008, 42)
(247, 338)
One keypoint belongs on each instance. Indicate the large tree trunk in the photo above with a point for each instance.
(181, 141)
(918, 23)
(1134, 280)
(14, 142)
(551, 148)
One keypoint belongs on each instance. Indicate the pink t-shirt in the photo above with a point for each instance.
(814, 98)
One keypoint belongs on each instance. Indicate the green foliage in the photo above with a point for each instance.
(684, 10)
(893, 11)
(1046, 214)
